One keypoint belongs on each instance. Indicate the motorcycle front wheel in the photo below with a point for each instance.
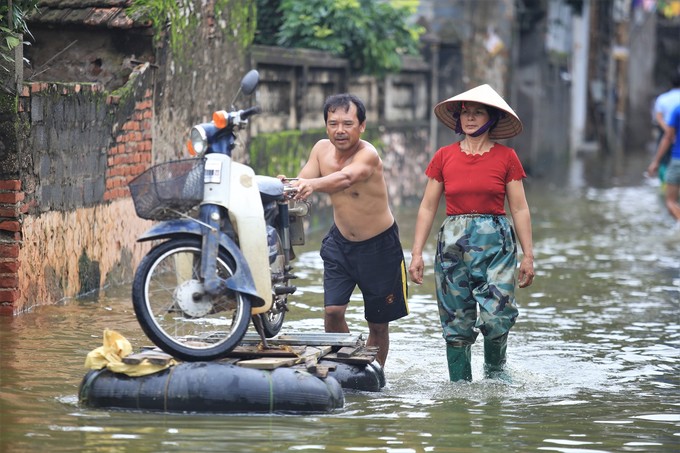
(272, 320)
(174, 310)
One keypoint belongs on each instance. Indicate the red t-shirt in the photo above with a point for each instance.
(475, 184)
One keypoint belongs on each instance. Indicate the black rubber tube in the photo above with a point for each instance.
(213, 387)
(368, 378)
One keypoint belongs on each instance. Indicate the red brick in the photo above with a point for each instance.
(6, 211)
(143, 105)
(11, 281)
(10, 184)
(9, 251)
(10, 225)
(9, 295)
(11, 197)
(6, 310)
(9, 267)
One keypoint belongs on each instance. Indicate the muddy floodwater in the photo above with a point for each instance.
(594, 357)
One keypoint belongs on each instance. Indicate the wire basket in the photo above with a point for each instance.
(166, 191)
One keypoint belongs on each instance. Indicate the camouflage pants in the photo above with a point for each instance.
(475, 265)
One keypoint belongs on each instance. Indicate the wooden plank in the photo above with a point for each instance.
(348, 351)
(320, 371)
(314, 353)
(361, 356)
(355, 359)
(269, 363)
(272, 351)
(309, 339)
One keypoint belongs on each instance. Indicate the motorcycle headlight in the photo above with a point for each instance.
(199, 139)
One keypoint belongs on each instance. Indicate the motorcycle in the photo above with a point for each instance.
(226, 251)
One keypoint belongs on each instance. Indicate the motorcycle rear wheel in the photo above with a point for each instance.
(175, 312)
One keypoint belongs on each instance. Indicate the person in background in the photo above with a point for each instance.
(476, 254)
(362, 247)
(663, 106)
(670, 140)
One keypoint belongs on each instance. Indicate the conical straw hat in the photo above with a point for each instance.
(508, 126)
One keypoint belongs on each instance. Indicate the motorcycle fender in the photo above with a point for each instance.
(242, 280)
(247, 216)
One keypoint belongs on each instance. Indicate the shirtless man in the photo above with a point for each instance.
(362, 248)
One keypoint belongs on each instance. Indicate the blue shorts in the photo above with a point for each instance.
(375, 265)
(673, 173)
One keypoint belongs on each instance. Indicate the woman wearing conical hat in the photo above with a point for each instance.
(476, 255)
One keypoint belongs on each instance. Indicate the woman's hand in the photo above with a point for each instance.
(526, 272)
(416, 268)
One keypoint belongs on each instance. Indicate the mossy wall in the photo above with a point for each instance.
(8, 136)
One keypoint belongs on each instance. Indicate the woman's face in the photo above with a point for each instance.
(473, 115)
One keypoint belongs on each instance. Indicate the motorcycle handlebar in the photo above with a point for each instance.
(223, 119)
(249, 112)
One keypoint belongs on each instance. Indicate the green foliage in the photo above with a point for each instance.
(13, 25)
(371, 34)
(166, 17)
(180, 21)
(282, 152)
(269, 22)
(285, 152)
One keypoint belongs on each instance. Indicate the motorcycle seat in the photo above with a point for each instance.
(271, 189)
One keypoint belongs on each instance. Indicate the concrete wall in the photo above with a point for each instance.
(294, 85)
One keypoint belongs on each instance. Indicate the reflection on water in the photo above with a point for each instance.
(594, 357)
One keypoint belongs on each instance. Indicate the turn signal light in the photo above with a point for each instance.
(190, 148)
(220, 118)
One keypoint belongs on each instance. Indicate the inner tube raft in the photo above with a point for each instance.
(213, 387)
(365, 377)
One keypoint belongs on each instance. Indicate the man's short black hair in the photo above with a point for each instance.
(343, 100)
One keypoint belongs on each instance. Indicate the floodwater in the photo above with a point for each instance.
(594, 357)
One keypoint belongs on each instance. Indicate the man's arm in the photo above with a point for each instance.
(661, 121)
(364, 164)
(664, 145)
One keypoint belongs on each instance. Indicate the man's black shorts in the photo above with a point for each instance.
(376, 265)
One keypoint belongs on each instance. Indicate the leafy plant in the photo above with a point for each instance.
(371, 34)
(180, 21)
(166, 19)
(13, 25)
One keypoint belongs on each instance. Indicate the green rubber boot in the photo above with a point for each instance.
(494, 357)
(459, 359)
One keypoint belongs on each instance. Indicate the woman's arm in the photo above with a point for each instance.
(426, 214)
(521, 218)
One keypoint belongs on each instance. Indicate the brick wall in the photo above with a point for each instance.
(130, 153)
(67, 223)
(11, 197)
